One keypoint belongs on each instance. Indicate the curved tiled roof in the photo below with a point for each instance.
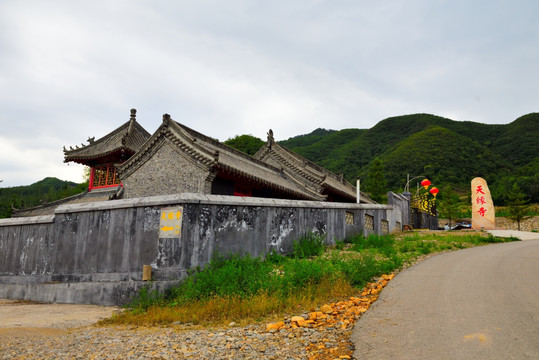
(217, 157)
(307, 172)
(127, 139)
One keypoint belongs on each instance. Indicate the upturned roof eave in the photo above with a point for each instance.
(81, 159)
(128, 137)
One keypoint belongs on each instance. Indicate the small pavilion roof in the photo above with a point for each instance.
(120, 143)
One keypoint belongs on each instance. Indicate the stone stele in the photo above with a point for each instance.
(483, 215)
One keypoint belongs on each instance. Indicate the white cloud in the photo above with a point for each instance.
(69, 70)
(24, 162)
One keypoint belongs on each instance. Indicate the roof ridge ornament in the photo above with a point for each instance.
(271, 140)
(166, 118)
(132, 121)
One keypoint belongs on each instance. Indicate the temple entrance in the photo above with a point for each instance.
(423, 214)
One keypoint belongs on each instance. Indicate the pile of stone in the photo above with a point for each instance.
(334, 316)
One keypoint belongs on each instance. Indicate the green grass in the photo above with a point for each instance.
(243, 288)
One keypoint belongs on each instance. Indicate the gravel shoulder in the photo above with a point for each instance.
(25, 318)
(60, 331)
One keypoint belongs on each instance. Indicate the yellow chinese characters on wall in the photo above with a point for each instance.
(170, 224)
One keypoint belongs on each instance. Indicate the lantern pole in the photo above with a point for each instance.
(407, 186)
(358, 192)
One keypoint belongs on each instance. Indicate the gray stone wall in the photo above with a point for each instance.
(400, 215)
(166, 172)
(94, 253)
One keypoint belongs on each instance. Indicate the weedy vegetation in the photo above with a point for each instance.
(245, 289)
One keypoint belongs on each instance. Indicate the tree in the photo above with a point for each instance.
(86, 174)
(248, 144)
(448, 206)
(518, 209)
(376, 184)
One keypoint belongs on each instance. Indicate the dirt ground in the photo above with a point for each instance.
(31, 318)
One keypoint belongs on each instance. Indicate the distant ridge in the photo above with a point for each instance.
(41, 192)
(449, 152)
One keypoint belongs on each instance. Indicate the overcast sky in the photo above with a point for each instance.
(72, 69)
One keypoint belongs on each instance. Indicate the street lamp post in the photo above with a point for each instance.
(407, 186)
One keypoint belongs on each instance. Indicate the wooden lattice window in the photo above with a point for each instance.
(349, 218)
(369, 222)
(103, 176)
(385, 227)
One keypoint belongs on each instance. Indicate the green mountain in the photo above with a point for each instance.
(519, 143)
(306, 140)
(443, 156)
(448, 152)
(46, 190)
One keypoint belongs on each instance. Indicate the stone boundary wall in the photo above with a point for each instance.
(94, 253)
(502, 223)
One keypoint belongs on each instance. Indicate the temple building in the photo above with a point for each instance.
(178, 159)
(129, 162)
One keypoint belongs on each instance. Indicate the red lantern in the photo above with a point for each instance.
(425, 183)
(434, 191)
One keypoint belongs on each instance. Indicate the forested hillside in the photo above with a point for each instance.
(448, 152)
(46, 190)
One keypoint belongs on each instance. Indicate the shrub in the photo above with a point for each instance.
(298, 273)
(373, 241)
(309, 245)
(275, 258)
(358, 271)
(237, 275)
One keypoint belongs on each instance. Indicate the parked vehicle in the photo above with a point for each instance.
(459, 226)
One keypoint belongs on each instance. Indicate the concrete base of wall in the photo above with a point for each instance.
(115, 293)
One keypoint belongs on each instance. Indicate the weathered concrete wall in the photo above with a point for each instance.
(94, 253)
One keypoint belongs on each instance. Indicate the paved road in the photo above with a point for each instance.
(478, 303)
